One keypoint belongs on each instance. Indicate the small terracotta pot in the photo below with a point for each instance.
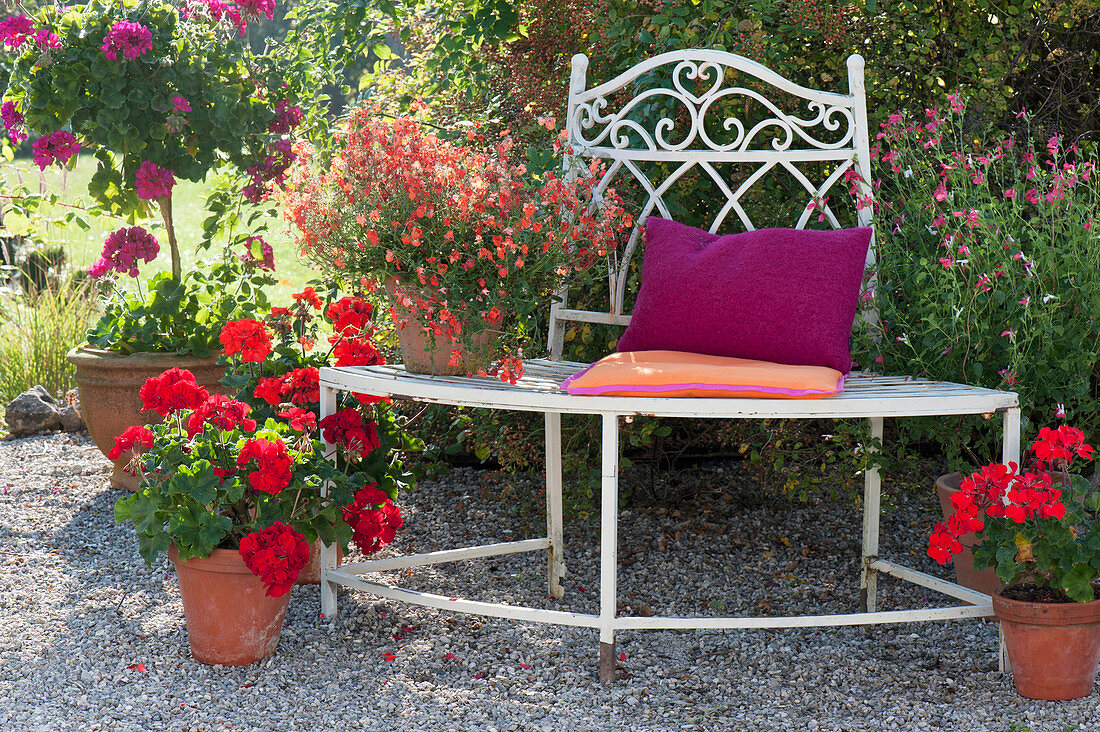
(1054, 648)
(110, 400)
(230, 618)
(311, 573)
(423, 353)
(985, 580)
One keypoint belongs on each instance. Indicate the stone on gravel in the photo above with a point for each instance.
(71, 421)
(32, 412)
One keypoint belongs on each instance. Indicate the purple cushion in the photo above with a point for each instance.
(781, 295)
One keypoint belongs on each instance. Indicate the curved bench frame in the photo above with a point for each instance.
(866, 395)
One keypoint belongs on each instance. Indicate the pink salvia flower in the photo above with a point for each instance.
(941, 193)
(1032, 195)
(1010, 193)
(153, 181)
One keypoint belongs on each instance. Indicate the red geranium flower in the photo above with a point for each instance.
(1055, 448)
(349, 314)
(302, 386)
(309, 297)
(137, 435)
(348, 429)
(276, 555)
(357, 352)
(247, 337)
(273, 464)
(270, 389)
(373, 518)
(941, 545)
(222, 412)
(301, 420)
(173, 390)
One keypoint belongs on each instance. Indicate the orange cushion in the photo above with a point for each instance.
(679, 374)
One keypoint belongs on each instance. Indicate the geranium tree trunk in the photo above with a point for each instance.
(165, 203)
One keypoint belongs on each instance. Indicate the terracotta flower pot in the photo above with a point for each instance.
(230, 618)
(109, 394)
(311, 573)
(985, 580)
(1054, 648)
(422, 353)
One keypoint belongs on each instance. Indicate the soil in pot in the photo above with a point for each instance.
(1054, 647)
(230, 618)
(985, 580)
(110, 400)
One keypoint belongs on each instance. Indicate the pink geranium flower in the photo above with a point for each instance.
(15, 30)
(153, 181)
(13, 121)
(123, 250)
(132, 39)
(57, 146)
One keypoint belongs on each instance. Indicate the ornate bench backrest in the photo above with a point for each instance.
(691, 115)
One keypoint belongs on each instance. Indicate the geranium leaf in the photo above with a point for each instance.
(198, 532)
(1078, 583)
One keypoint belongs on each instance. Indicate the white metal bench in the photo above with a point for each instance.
(628, 143)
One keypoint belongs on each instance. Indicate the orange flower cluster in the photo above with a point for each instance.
(459, 235)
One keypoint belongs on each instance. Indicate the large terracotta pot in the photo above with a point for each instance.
(311, 573)
(1054, 648)
(230, 618)
(109, 394)
(985, 580)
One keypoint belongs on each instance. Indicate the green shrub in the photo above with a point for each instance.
(989, 270)
(39, 329)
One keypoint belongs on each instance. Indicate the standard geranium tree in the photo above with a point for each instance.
(158, 91)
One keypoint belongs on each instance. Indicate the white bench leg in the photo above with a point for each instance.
(609, 531)
(555, 557)
(872, 484)
(328, 561)
(1010, 453)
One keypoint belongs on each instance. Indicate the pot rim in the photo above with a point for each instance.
(1045, 613)
(106, 359)
(225, 561)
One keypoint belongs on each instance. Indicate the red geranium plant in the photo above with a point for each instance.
(1035, 530)
(274, 368)
(247, 473)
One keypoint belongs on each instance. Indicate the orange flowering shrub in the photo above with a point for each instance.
(462, 238)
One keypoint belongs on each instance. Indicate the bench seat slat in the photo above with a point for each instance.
(864, 395)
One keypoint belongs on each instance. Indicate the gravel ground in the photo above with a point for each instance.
(78, 608)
